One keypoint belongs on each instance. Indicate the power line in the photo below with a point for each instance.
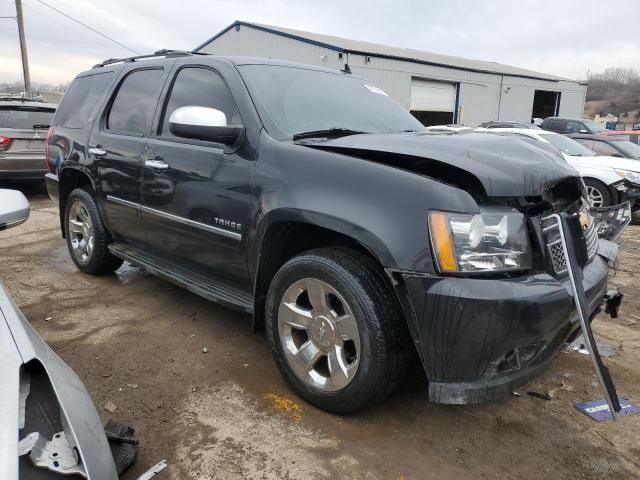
(88, 27)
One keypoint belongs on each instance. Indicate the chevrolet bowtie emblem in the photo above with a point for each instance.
(585, 220)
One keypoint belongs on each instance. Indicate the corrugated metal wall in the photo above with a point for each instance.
(482, 97)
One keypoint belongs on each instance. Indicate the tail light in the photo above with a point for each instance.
(5, 143)
(46, 152)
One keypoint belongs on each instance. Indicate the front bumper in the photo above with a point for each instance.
(629, 192)
(481, 338)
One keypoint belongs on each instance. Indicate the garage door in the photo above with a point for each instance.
(430, 96)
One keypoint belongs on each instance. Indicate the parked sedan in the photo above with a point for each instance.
(612, 146)
(23, 131)
(571, 125)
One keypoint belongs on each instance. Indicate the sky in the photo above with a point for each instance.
(561, 37)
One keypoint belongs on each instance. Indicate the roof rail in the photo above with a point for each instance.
(165, 52)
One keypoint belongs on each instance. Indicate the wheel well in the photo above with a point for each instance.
(283, 241)
(615, 195)
(70, 179)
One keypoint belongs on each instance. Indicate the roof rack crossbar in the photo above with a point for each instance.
(165, 52)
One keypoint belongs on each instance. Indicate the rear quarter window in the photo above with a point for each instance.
(81, 99)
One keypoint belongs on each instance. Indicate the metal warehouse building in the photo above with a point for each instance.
(437, 89)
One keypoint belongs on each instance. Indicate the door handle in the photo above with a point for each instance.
(97, 151)
(156, 164)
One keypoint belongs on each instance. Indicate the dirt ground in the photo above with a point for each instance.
(137, 341)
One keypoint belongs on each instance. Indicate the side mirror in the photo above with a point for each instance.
(203, 123)
(14, 208)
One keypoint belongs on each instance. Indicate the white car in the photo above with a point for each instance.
(609, 180)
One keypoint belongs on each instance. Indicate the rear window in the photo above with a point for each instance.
(631, 149)
(24, 117)
(135, 103)
(80, 100)
(568, 145)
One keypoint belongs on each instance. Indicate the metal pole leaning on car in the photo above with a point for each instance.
(575, 277)
(23, 50)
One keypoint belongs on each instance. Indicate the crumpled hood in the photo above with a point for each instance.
(507, 166)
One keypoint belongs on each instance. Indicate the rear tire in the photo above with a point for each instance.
(86, 236)
(336, 329)
(598, 193)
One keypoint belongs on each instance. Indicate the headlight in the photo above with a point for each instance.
(633, 177)
(494, 240)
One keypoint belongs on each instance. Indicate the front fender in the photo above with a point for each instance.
(365, 237)
(381, 207)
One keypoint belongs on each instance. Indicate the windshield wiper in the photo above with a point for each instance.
(329, 132)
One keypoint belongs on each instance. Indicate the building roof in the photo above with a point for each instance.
(376, 50)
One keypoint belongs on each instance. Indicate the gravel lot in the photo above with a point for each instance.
(137, 341)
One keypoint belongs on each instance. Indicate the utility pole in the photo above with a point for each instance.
(23, 50)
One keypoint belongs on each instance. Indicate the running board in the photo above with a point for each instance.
(207, 286)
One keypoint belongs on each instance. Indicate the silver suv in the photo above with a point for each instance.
(23, 131)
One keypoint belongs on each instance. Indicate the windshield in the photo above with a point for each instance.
(294, 100)
(593, 127)
(569, 146)
(25, 117)
(629, 148)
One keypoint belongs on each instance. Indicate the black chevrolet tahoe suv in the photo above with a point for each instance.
(311, 200)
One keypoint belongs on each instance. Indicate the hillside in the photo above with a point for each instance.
(616, 91)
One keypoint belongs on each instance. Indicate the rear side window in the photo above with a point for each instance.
(196, 86)
(603, 148)
(23, 117)
(135, 103)
(80, 100)
(575, 127)
(555, 125)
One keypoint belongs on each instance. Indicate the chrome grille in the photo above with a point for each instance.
(591, 236)
(554, 246)
(558, 260)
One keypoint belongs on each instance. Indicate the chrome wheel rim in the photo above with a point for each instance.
(81, 234)
(595, 196)
(319, 335)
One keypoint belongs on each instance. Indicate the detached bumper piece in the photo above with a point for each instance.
(565, 224)
(611, 221)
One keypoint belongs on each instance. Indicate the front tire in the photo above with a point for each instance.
(86, 236)
(598, 193)
(336, 329)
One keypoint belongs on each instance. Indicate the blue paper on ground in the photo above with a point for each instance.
(599, 409)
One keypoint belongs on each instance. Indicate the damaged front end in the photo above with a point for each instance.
(482, 334)
(494, 303)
